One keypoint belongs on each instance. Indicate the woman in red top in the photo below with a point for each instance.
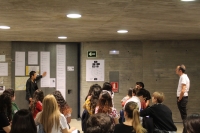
(36, 103)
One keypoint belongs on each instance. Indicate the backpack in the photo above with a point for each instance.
(84, 118)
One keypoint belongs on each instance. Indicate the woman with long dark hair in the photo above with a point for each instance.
(64, 107)
(5, 113)
(36, 103)
(11, 93)
(92, 100)
(105, 106)
(23, 122)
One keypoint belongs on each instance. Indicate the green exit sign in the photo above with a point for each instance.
(92, 53)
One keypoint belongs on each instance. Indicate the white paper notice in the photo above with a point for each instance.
(3, 69)
(94, 70)
(32, 57)
(2, 57)
(70, 68)
(19, 63)
(61, 69)
(52, 82)
(45, 67)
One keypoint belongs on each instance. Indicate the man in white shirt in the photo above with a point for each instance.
(182, 90)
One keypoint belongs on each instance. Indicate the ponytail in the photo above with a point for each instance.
(136, 122)
(131, 109)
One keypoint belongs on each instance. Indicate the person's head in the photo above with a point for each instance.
(33, 75)
(130, 92)
(92, 88)
(100, 123)
(134, 92)
(23, 122)
(192, 123)
(50, 113)
(95, 97)
(60, 99)
(38, 95)
(11, 93)
(141, 93)
(157, 97)
(139, 85)
(105, 102)
(5, 105)
(180, 69)
(131, 111)
(107, 86)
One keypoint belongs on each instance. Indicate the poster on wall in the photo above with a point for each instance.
(3, 69)
(45, 67)
(94, 70)
(32, 68)
(32, 57)
(19, 63)
(61, 69)
(20, 83)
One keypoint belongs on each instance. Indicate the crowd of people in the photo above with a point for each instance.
(49, 114)
(52, 114)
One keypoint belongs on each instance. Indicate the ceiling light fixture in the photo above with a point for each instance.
(62, 37)
(114, 52)
(187, 0)
(122, 31)
(4, 27)
(73, 15)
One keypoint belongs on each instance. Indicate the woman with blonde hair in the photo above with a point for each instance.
(132, 120)
(161, 114)
(50, 117)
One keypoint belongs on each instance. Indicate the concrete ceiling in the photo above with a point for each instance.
(45, 20)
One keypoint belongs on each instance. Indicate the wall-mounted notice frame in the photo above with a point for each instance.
(32, 57)
(3, 69)
(45, 67)
(61, 69)
(94, 70)
(19, 63)
(2, 58)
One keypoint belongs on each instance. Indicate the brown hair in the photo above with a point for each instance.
(105, 103)
(192, 123)
(159, 96)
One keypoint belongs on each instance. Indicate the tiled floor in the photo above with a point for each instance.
(77, 124)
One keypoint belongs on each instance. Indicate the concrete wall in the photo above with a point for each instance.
(152, 62)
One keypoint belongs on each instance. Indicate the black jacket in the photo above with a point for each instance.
(162, 117)
(31, 87)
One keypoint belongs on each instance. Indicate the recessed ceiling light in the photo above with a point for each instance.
(62, 37)
(122, 31)
(4, 27)
(187, 0)
(114, 52)
(73, 15)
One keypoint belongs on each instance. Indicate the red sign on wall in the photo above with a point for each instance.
(115, 86)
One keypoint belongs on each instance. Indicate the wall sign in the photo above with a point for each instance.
(91, 53)
(115, 86)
